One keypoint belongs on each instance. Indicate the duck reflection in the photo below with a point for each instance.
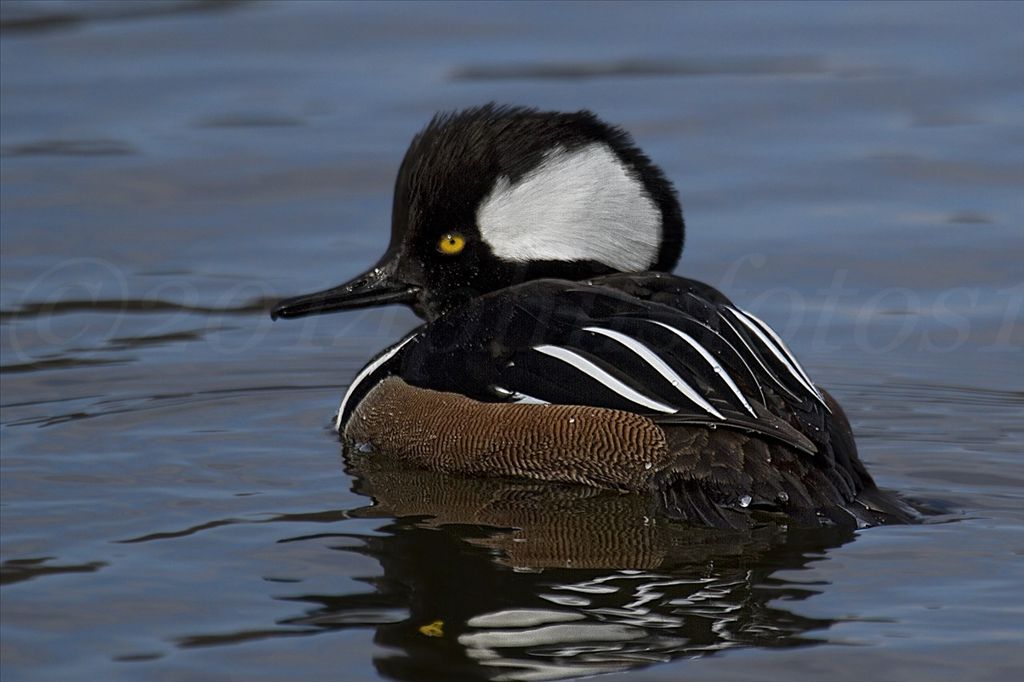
(510, 580)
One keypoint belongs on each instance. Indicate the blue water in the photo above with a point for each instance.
(173, 504)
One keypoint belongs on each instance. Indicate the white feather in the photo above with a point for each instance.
(660, 366)
(520, 398)
(367, 371)
(579, 205)
(778, 349)
(718, 369)
(611, 383)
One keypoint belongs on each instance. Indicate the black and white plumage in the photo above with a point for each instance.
(535, 245)
(607, 348)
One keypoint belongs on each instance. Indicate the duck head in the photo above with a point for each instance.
(493, 196)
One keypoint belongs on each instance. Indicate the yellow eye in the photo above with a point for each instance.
(451, 243)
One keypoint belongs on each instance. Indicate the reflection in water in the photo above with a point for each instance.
(18, 570)
(762, 65)
(69, 148)
(515, 581)
(45, 16)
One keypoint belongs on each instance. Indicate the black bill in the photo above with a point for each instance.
(375, 287)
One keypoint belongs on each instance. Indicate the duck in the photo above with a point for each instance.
(557, 345)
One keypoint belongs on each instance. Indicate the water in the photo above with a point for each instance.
(173, 505)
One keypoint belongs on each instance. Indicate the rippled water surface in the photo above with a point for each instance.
(173, 503)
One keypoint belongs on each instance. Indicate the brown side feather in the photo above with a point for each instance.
(452, 433)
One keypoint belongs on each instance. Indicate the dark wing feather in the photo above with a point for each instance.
(573, 343)
(784, 386)
(580, 343)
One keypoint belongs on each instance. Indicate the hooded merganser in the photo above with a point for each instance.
(557, 346)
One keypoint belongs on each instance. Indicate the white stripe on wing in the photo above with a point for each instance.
(367, 371)
(660, 366)
(718, 369)
(777, 349)
(517, 397)
(785, 349)
(587, 367)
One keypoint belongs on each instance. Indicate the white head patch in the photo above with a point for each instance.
(579, 205)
